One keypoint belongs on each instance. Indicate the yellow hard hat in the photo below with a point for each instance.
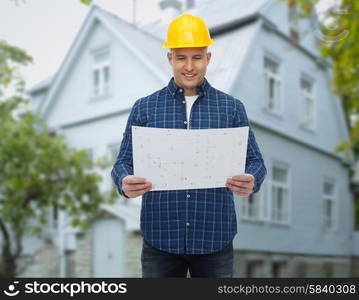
(187, 31)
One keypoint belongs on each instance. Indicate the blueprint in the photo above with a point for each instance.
(176, 159)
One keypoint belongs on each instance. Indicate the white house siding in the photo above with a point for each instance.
(305, 233)
(250, 88)
(97, 135)
(303, 245)
(279, 16)
(304, 239)
(74, 102)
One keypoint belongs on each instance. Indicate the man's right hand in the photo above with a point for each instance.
(134, 186)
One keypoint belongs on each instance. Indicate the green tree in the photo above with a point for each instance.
(38, 169)
(339, 44)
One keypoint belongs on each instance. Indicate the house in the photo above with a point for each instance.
(301, 222)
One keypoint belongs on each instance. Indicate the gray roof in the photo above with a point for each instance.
(148, 38)
(228, 50)
(148, 44)
(43, 84)
(220, 13)
(217, 14)
(228, 55)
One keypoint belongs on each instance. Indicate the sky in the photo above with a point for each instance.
(47, 28)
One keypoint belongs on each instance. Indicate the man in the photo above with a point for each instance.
(188, 230)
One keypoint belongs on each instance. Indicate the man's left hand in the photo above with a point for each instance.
(241, 185)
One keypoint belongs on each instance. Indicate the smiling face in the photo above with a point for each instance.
(189, 67)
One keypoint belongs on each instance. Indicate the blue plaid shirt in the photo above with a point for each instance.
(193, 221)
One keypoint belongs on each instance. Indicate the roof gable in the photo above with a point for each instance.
(96, 14)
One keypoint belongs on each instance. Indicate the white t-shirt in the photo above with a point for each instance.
(189, 102)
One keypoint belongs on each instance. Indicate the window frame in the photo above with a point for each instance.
(268, 74)
(272, 183)
(100, 67)
(305, 95)
(262, 214)
(334, 199)
(112, 145)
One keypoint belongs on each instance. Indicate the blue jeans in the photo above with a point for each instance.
(159, 264)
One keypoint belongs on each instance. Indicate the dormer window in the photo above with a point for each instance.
(101, 73)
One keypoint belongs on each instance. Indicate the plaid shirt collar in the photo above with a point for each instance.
(202, 89)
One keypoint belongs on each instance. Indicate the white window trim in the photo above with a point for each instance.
(258, 267)
(99, 66)
(304, 96)
(280, 164)
(277, 77)
(116, 143)
(111, 145)
(263, 205)
(334, 198)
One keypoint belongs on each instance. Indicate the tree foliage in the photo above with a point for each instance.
(339, 43)
(39, 169)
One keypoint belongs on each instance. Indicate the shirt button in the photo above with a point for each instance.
(188, 195)
(184, 102)
(187, 224)
(181, 90)
(185, 122)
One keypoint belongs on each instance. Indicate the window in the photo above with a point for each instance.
(302, 269)
(250, 207)
(329, 203)
(113, 150)
(354, 118)
(70, 265)
(101, 73)
(327, 270)
(278, 269)
(279, 194)
(254, 268)
(306, 86)
(255, 206)
(55, 215)
(272, 84)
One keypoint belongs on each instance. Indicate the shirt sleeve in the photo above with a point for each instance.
(254, 161)
(124, 162)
